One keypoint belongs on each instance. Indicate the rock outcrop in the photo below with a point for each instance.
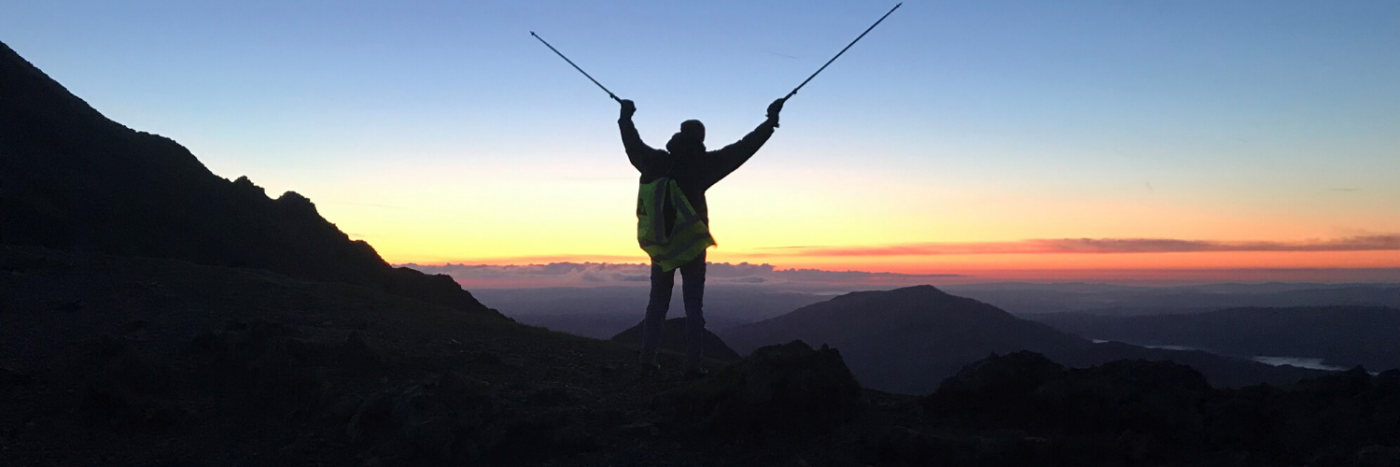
(1163, 413)
(784, 388)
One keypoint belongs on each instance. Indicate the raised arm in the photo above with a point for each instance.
(727, 159)
(641, 155)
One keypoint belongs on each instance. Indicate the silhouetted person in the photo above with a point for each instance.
(694, 170)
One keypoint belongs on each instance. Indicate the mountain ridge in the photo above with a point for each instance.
(1342, 335)
(73, 179)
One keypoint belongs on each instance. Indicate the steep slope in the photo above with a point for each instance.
(908, 340)
(70, 178)
(122, 361)
(673, 339)
(1340, 335)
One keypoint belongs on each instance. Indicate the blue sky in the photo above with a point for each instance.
(1269, 120)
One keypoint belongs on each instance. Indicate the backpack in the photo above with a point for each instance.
(668, 228)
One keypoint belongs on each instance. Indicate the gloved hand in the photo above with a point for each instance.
(628, 108)
(773, 110)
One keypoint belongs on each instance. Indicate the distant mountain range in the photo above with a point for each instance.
(1342, 336)
(1024, 299)
(72, 179)
(909, 340)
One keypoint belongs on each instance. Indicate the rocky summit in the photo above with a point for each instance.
(789, 387)
(131, 361)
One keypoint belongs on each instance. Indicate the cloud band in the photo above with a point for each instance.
(1094, 246)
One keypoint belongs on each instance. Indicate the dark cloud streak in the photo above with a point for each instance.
(1099, 246)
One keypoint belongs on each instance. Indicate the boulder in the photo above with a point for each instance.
(1155, 399)
(1163, 413)
(122, 388)
(269, 364)
(448, 417)
(993, 391)
(1026, 391)
(783, 388)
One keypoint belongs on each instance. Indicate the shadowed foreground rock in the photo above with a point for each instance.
(122, 361)
(787, 388)
(1159, 413)
(1031, 392)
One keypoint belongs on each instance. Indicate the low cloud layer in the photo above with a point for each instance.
(584, 274)
(1094, 246)
(567, 274)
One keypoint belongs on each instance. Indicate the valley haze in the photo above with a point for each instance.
(600, 300)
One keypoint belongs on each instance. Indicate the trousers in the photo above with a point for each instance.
(692, 294)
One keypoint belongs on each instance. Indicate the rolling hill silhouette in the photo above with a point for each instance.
(1028, 299)
(673, 339)
(72, 179)
(909, 340)
(1339, 335)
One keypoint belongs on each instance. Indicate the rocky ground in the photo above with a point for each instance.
(119, 361)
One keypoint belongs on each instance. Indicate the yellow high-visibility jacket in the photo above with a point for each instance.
(684, 239)
(672, 213)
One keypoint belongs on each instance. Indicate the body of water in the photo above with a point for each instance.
(1300, 362)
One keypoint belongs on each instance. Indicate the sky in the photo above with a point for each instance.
(970, 138)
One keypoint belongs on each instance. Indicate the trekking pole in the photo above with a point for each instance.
(585, 73)
(838, 54)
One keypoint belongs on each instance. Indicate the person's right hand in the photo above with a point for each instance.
(774, 109)
(628, 108)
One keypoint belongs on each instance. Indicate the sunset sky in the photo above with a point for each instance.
(958, 137)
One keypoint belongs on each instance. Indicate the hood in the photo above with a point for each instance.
(684, 144)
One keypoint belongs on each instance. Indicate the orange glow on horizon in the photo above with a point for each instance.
(948, 226)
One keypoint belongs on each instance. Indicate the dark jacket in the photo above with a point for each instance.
(687, 162)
